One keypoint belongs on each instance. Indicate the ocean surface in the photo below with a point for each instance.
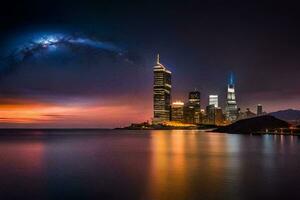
(147, 165)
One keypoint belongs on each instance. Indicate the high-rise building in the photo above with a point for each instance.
(177, 111)
(214, 115)
(213, 100)
(259, 110)
(219, 117)
(192, 110)
(194, 98)
(210, 114)
(189, 114)
(161, 93)
(231, 106)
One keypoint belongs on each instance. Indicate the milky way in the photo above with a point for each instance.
(64, 65)
(51, 42)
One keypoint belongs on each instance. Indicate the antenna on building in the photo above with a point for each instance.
(231, 78)
(157, 59)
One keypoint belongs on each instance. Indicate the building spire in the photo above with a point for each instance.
(231, 78)
(157, 59)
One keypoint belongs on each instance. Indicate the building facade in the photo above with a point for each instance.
(231, 105)
(192, 110)
(213, 100)
(214, 115)
(161, 93)
(177, 111)
(219, 117)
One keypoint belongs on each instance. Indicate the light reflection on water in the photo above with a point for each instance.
(197, 165)
(148, 165)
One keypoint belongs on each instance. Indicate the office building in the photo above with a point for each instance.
(195, 101)
(214, 115)
(219, 116)
(189, 114)
(213, 100)
(177, 111)
(192, 110)
(231, 105)
(210, 114)
(194, 98)
(161, 93)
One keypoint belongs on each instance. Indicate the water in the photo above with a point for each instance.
(148, 165)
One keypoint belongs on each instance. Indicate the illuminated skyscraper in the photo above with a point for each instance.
(213, 100)
(231, 106)
(194, 98)
(161, 93)
(192, 109)
(177, 111)
(214, 115)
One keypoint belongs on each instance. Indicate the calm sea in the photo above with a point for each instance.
(147, 165)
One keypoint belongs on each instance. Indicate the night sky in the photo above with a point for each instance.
(89, 64)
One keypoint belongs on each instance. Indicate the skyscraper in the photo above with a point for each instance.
(161, 93)
(259, 110)
(213, 100)
(214, 115)
(177, 111)
(192, 109)
(194, 98)
(231, 106)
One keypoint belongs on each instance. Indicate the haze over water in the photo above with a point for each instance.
(118, 164)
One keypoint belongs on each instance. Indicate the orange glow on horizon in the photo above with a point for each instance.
(32, 113)
(67, 115)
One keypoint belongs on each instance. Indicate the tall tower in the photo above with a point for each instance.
(231, 106)
(192, 114)
(161, 93)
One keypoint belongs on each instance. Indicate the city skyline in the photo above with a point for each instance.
(74, 66)
(192, 112)
(36, 110)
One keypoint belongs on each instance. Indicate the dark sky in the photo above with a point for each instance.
(201, 42)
